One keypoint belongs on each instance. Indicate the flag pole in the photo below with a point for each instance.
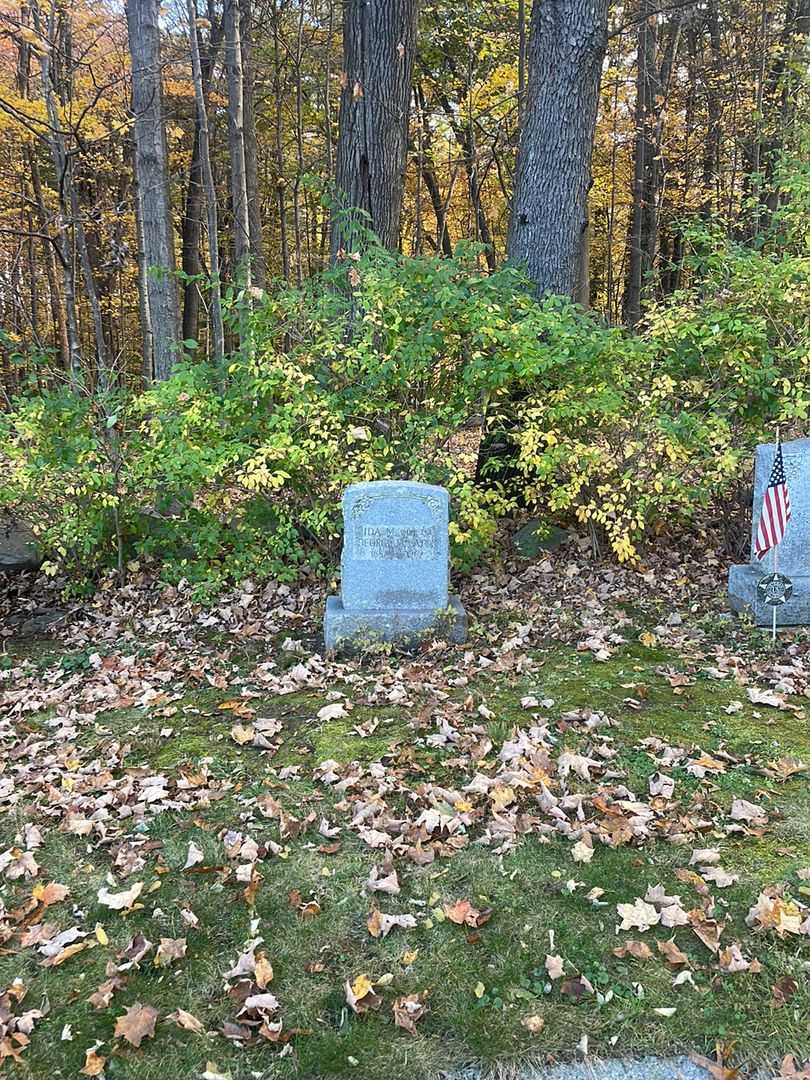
(775, 562)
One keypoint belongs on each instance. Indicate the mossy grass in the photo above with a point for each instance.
(481, 985)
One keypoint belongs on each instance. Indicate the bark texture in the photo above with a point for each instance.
(236, 139)
(379, 43)
(549, 209)
(152, 171)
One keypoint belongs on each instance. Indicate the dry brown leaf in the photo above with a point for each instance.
(409, 1010)
(137, 1024)
(639, 950)
(187, 1021)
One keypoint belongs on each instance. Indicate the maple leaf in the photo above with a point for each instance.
(384, 881)
(137, 1024)
(409, 1010)
(102, 997)
(187, 1021)
(775, 913)
(639, 915)
(360, 996)
(742, 810)
(576, 987)
(582, 852)
(335, 711)
(708, 930)
(52, 893)
(194, 856)
(463, 912)
(169, 950)
(789, 1070)
(122, 900)
(672, 953)
(380, 924)
(242, 734)
(263, 971)
(93, 1062)
(718, 876)
(640, 950)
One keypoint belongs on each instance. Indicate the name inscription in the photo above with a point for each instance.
(394, 542)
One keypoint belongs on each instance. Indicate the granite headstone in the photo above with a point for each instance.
(394, 567)
(794, 550)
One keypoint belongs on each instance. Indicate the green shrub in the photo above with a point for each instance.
(374, 370)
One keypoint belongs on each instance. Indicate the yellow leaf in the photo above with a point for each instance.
(361, 986)
(479, 990)
(101, 935)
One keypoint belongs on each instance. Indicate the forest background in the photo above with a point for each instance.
(251, 252)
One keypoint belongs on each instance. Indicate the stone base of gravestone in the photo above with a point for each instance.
(358, 628)
(794, 551)
(394, 568)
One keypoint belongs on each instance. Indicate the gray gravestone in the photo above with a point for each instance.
(794, 551)
(394, 567)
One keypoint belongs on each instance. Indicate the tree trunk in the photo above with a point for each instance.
(652, 89)
(217, 328)
(258, 267)
(152, 170)
(62, 169)
(236, 141)
(552, 177)
(379, 42)
(191, 228)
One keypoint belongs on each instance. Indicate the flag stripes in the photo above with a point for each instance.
(775, 509)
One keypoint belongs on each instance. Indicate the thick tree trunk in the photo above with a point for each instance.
(152, 170)
(379, 42)
(549, 206)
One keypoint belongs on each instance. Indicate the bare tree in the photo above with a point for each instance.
(152, 171)
(217, 329)
(236, 140)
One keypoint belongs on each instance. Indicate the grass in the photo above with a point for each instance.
(481, 985)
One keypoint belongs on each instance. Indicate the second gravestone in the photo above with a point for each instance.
(794, 550)
(394, 567)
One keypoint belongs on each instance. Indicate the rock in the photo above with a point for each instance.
(18, 549)
(536, 536)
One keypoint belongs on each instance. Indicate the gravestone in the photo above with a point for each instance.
(794, 550)
(394, 567)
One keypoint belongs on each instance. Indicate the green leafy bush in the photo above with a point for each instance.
(379, 368)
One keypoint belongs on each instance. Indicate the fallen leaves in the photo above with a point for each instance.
(408, 1010)
(380, 924)
(638, 916)
(136, 1024)
(462, 912)
(639, 950)
(360, 995)
(120, 901)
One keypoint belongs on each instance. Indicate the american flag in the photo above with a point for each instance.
(775, 509)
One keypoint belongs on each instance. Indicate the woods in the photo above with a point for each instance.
(549, 256)
(573, 139)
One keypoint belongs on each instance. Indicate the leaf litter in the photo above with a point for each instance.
(543, 778)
